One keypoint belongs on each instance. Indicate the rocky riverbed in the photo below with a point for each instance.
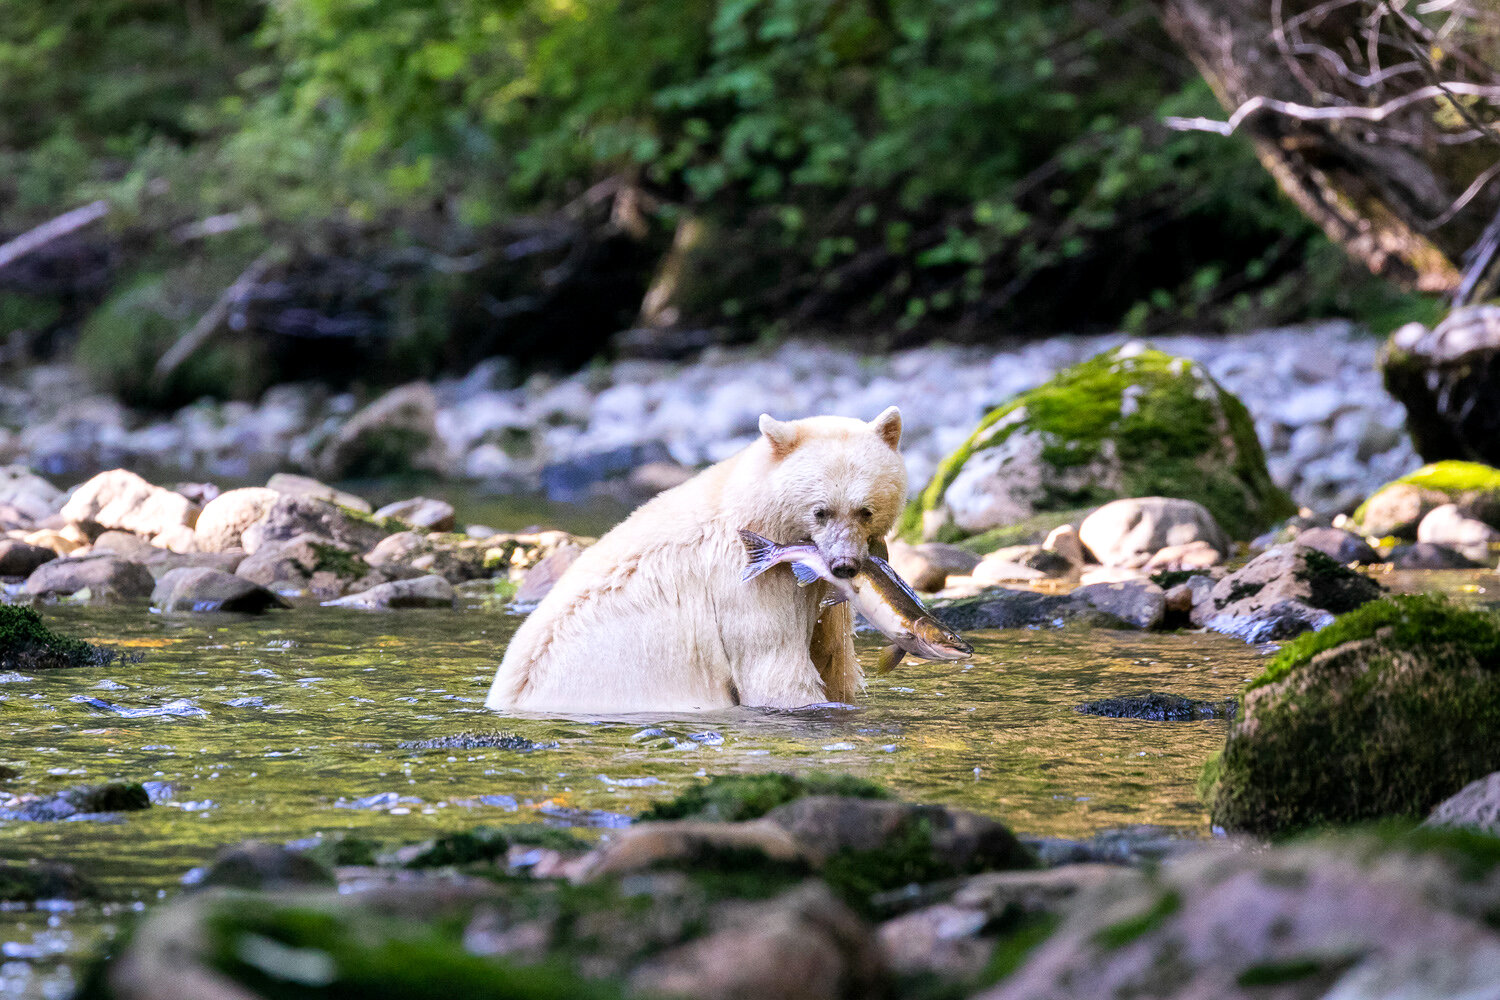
(1330, 431)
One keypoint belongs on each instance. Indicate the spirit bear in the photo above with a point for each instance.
(655, 616)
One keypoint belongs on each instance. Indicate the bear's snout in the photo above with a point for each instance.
(844, 569)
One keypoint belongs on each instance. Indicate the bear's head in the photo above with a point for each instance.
(834, 480)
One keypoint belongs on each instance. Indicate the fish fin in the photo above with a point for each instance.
(888, 658)
(832, 598)
(890, 571)
(761, 552)
(805, 574)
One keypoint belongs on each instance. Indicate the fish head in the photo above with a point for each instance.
(932, 640)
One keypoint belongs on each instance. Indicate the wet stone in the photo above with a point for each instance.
(1428, 555)
(1157, 708)
(472, 741)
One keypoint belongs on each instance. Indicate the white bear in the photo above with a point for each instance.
(655, 617)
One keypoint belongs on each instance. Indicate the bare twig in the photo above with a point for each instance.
(1338, 112)
(209, 323)
(64, 224)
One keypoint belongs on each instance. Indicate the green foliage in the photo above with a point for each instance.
(26, 643)
(1123, 932)
(485, 844)
(905, 166)
(733, 797)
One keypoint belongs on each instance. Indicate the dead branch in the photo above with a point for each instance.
(68, 222)
(1339, 112)
(211, 321)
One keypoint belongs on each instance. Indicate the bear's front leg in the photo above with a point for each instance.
(783, 677)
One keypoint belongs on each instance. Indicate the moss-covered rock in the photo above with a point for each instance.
(1384, 713)
(1131, 422)
(1397, 507)
(1446, 379)
(734, 797)
(26, 643)
(41, 880)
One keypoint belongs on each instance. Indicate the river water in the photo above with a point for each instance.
(288, 727)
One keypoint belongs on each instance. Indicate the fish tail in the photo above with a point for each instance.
(762, 553)
(888, 658)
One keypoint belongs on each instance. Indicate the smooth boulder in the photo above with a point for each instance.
(1130, 532)
(18, 558)
(106, 578)
(1448, 378)
(422, 513)
(395, 434)
(290, 516)
(123, 500)
(223, 521)
(204, 589)
(421, 592)
(1446, 525)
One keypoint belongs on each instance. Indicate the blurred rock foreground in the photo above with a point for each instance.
(1330, 432)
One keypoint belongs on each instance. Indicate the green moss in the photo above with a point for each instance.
(735, 797)
(1123, 932)
(1028, 531)
(341, 562)
(1333, 586)
(1473, 854)
(1180, 435)
(1452, 478)
(1013, 950)
(1387, 728)
(28, 644)
(342, 851)
(1455, 477)
(1290, 970)
(1168, 579)
(291, 952)
(1414, 621)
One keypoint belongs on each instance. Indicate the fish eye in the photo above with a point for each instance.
(821, 513)
(865, 513)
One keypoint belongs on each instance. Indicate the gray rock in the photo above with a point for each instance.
(422, 513)
(1339, 545)
(1065, 542)
(106, 578)
(121, 499)
(295, 561)
(1475, 806)
(226, 517)
(421, 592)
(1425, 555)
(291, 516)
(202, 589)
(1002, 607)
(825, 825)
(408, 554)
(1157, 708)
(1447, 525)
(1446, 379)
(1396, 510)
(397, 433)
(259, 866)
(1129, 532)
(684, 842)
(801, 945)
(1141, 603)
(543, 575)
(1178, 558)
(306, 486)
(31, 497)
(17, 558)
(928, 565)
(1285, 591)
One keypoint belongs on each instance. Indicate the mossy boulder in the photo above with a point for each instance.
(1399, 506)
(734, 797)
(1384, 713)
(1446, 378)
(26, 643)
(1130, 422)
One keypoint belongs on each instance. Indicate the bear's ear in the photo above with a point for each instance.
(781, 434)
(888, 426)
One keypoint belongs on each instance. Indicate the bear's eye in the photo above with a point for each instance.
(865, 513)
(821, 513)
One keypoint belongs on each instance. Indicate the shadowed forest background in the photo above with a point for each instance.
(404, 187)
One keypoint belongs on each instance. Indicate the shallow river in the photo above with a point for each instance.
(288, 726)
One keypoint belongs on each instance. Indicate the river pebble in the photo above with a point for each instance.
(1331, 432)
